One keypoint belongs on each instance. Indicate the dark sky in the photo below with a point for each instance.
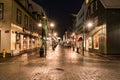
(59, 11)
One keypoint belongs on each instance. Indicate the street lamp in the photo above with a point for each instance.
(73, 42)
(52, 25)
(89, 24)
(39, 24)
(44, 46)
(55, 34)
(86, 25)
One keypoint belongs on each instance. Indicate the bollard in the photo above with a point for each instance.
(73, 48)
(41, 52)
(4, 53)
(77, 50)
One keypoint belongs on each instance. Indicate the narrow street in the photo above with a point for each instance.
(61, 64)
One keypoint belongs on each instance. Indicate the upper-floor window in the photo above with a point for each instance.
(96, 4)
(26, 21)
(19, 16)
(92, 8)
(26, 4)
(89, 11)
(1, 10)
(30, 23)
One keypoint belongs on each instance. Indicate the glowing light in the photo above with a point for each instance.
(39, 24)
(55, 34)
(52, 24)
(89, 24)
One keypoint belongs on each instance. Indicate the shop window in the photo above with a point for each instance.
(24, 43)
(18, 41)
(17, 38)
(30, 43)
(96, 42)
(90, 42)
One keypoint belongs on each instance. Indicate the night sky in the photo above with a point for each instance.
(59, 11)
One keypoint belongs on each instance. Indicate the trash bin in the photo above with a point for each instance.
(41, 52)
(73, 48)
(77, 50)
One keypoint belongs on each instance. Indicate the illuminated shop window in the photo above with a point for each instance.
(25, 43)
(96, 42)
(90, 42)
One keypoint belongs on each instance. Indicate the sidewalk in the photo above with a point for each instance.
(100, 56)
(109, 57)
(7, 57)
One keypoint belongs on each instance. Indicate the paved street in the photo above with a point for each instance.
(61, 64)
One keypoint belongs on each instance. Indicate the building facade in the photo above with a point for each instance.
(103, 36)
(19, 29)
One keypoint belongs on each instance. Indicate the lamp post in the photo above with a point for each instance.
(52, 25)
(66, 36)
(86, 25)
(44, 45)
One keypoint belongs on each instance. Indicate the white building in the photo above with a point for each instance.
(19, 29)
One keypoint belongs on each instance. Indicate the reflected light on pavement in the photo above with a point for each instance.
(73, 55)
(24, 58)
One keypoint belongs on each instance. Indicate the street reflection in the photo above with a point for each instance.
(61, 64)
(71, 56)
(24, 58)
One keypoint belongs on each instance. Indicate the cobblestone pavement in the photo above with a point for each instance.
(61, 64)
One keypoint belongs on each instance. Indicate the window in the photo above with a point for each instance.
(1, 10)
(92, 8)
(96, 5)
(96, 42)
(19, 16)
(31, 25)
(26, 21)
(90, 42)
(89, 11)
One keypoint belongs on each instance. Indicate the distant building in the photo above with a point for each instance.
(104, 36)
(19, 29)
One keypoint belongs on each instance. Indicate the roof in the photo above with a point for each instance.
(111, 3)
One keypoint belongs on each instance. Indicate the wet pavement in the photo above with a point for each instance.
(61, 64)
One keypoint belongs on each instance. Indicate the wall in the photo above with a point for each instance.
(113, 31)
(5, 28)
